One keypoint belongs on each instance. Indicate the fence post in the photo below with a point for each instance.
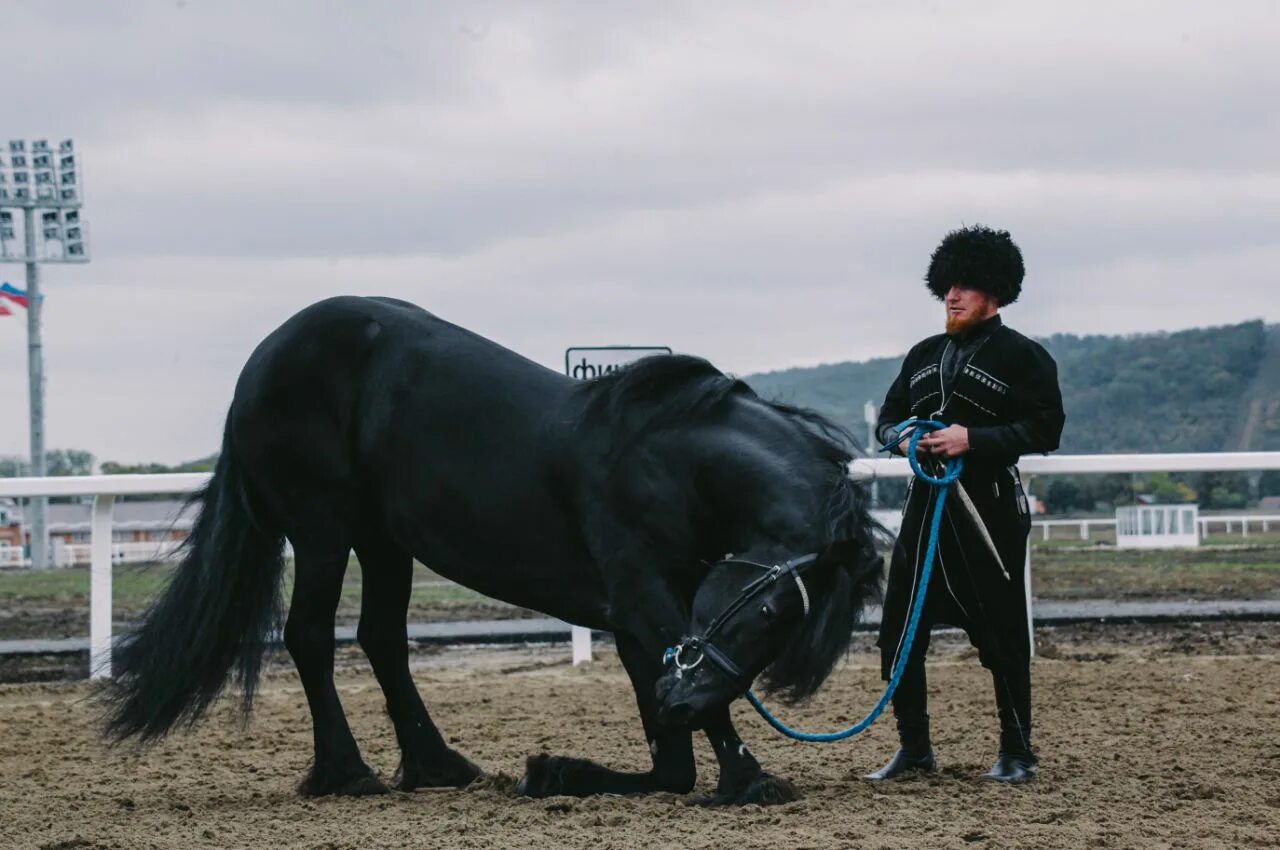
(100, 589)
(1084, 529)
(581, 644)
(1026, 579)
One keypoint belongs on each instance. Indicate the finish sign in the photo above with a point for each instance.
(586, 362)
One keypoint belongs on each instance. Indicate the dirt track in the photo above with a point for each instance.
(1164, 738)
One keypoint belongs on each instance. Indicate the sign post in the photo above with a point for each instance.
(872, 415)
(585, 363)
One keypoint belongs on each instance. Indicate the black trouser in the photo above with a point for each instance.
(911, 699)
(968, 587)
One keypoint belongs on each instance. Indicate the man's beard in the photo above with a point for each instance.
(960, 324)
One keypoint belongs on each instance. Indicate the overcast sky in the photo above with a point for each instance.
(760, 184)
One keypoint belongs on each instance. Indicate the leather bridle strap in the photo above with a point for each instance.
(793, 567)
(702, 643)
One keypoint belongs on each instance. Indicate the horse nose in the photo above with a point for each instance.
(676, 715)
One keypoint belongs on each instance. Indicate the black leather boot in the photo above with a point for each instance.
(1013, 768)
(910, 707)
(1016, 762)
(906, 761)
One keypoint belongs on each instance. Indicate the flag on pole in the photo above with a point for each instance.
(9, 292)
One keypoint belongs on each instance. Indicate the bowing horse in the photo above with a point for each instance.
(371, 425)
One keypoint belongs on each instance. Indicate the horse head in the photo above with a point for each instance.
(768, 614)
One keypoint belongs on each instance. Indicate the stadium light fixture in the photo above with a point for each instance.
(32, 178)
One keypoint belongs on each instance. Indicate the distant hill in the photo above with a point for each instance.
(1207, 389)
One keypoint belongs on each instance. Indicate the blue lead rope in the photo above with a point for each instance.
(953, 469)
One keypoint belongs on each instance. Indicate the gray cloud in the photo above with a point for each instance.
(758, 184)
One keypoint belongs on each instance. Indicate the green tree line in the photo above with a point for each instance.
(1206, 389)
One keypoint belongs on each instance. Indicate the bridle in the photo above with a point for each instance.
(702, 646)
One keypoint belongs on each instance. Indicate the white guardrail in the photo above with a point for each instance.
(80, 554)
(1228, 521)
(105, 489)
(870, 468)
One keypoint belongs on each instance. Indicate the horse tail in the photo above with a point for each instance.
(214, 617)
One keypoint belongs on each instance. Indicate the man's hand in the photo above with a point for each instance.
(950, 442)
(904, 441)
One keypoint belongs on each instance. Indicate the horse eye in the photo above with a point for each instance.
(766, 612)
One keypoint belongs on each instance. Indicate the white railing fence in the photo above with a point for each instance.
(897, 467)
(1240, 524)
(1046, 526)
(105, 488)
(130, 552)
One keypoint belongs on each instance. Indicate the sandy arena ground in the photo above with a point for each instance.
(1149, 738)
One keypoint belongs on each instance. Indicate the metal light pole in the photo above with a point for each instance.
(35, 387)
(30, 183)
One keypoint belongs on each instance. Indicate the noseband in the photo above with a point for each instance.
(701, 646)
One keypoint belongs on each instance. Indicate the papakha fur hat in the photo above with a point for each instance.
(978, 257)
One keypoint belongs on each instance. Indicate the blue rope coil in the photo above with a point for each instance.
(943, 483)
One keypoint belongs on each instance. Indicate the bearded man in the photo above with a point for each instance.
(997, 392)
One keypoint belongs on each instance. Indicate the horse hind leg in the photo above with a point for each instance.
(426, 761)
(308, 634)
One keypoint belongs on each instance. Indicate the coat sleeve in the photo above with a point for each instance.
(897, 404)
(1037, 426)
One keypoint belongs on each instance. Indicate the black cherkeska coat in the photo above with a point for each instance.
(1004, 388)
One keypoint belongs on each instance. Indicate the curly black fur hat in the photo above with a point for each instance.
(979, 257)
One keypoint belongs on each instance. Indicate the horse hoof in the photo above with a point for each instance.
(541, 777)
(765, 790)
(365, 786)
(454, 770)
(360, 785)
(768, 790)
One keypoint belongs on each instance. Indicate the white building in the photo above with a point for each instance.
(1157, 526)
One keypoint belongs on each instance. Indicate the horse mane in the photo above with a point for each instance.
(654, 393)
(672, 389)
(852, 582)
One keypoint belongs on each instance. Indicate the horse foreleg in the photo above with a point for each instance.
(741, 778)
(426, 761)
(671, 749)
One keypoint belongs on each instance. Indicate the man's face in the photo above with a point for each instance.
(966, 307)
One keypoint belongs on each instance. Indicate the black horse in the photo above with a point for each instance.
(368, 424)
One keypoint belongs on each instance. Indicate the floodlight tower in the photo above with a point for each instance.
(38, 178)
